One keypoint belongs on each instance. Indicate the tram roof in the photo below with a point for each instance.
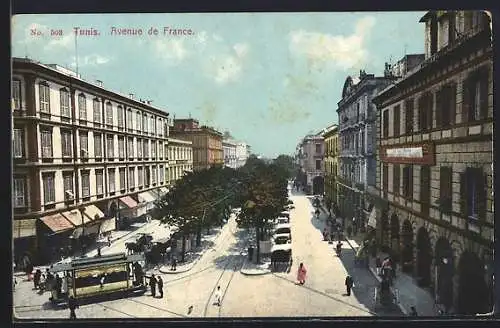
(89, 262)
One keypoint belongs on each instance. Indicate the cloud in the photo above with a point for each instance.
(90, 60)
(172, 51)
(67, 42)
(241, 49)
(344, 52)
(227, 68)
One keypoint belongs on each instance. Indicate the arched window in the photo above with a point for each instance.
(44, 97)
(64, 103)
(82, 107)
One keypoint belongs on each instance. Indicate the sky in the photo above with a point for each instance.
(267, 78)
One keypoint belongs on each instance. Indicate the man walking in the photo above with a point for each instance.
(160, 286)
(174, 263)
(349, 282)
(218, 296)
(72, 304)
(152, 284)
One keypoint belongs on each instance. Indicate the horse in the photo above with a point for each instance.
(132, 248)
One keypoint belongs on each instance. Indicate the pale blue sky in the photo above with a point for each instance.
(268, 78)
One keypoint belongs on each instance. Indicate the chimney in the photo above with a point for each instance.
(99, 82)
(131, 95)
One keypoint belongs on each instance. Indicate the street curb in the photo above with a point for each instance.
(246, 272)
(401, 307)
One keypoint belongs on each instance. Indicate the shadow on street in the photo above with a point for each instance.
(233, 259)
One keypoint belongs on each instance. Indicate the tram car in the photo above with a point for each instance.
(89, 278)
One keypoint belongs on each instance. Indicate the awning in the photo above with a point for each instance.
(108, 225)
(93, 212)
(75, 217)
(128, 201)
(372, 220)
(146, 197)
(24, 228)
(57, 222)
(93, 229)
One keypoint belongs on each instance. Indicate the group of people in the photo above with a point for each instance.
(156, 282)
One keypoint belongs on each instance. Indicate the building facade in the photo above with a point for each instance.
(330, 136)
(229, 150)
(434, 193)
(180, 159)
(78, 151)
(206, 142)
(312, 164)
(243, 151)
(357, 132)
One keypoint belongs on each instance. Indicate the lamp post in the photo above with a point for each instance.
(82, 236)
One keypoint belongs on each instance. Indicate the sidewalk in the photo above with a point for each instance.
(404, 286)
(252, 269)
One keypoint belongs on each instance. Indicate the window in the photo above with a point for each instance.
(445, 188)
(318, 164)
(425, 189)
(46, 138)
(408, 182)
(475, 96)
(64, 99)
(130, 120)
(18, 143)
(110, 147)
(138, 121)
(147, 176)
(16, 94)
(96, 106)
(396, 178)
(153, 149)
(109, 114)
(86, 183)
(82, 107)
(445, 105)
(123, 185)
(318, 148)
(146, 149)
(473, 192)
(140, 176)
(153, 174)
(119, 111)
(49, 189)
(44, 97)
(385, 123)
(145, 123)
(121, 147)
(66, 143)
(19, 193)
(130, 145)
(99, 182)
(397, 118)
(111, 180)
(139, 148)
(162, 174)
(152, 125)
(68, 186)
(84, 144)
(357, 112)
(160, 150)
(425, 111)
(97, 145)
(409, 116)
(131, 177)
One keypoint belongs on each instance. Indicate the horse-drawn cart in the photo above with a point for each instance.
(281, 257)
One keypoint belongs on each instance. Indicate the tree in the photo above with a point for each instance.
(287, 163)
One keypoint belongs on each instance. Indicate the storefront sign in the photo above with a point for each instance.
(420, 154)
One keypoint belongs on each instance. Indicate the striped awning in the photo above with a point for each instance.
(24, 228)
(57, 222)
(128, 201)
(146, 197)
(93, 212)
(76, 217)
(108, 225)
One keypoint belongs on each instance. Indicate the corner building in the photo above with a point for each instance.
(79, 152)
(434, 178)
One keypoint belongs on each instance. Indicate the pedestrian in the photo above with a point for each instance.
(36, 278)
(301, 274)
(325, 234)
(378, 265)
(174, 263)
(218, 296)
(152, 284)
(98, 252)
(109, 240)
(72, 305)
(413, 311)
(349, 283)
(160, 286)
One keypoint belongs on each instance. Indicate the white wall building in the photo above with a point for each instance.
(243, 151)
(229, 149)
(180, 159)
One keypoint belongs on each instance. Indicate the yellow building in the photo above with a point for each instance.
(330, 135)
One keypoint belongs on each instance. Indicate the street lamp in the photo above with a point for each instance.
(82, 236)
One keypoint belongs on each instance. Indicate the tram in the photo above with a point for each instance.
(89, 278)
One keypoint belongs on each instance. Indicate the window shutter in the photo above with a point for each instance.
(439, 106)
(453, 103)
(463, 194)
(442, 186)
(430, 104)
(481, 194)
(420, 111)
(483, 85)
(466, 100)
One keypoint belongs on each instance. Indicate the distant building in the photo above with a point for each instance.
(310, 154)
(229, 146)
(206, 142)
(243, 151)
(330, 136)
(180, 159)
(404, 65)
